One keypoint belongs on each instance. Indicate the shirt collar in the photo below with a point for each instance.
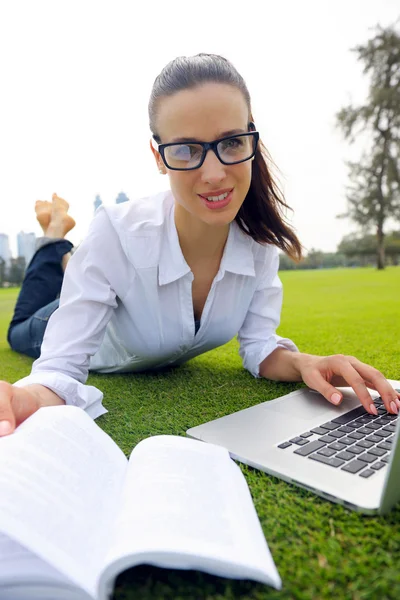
(237, 258)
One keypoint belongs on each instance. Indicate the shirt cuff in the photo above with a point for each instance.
(71, 391)
(253, 361)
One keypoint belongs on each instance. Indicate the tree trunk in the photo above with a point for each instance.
(380, 255)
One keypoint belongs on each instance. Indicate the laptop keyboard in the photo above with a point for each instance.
(356, 442)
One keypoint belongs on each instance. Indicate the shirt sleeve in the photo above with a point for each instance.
(257, 337)
(76, 329)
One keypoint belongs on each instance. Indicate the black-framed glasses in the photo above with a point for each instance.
(231, 150)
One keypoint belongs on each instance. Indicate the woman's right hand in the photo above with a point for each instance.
(19, 403)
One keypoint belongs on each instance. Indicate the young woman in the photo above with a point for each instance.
(165, 278)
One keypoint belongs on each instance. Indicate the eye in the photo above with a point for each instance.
(185, 151)
(231, 144)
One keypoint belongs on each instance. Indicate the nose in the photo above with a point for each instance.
(212, 170)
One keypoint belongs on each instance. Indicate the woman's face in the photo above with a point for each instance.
(206, 113)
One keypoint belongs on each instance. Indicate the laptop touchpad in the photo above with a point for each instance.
(305, 405)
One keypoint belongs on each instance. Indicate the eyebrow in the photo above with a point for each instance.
(223, 134)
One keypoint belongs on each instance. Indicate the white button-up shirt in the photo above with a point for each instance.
(126, 302)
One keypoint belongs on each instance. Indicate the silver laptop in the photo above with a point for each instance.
(340, 453)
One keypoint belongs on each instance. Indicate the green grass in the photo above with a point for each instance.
(321, 549)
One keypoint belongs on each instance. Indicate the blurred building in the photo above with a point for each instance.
(26, 245)
(5, 252)
(97, 203)
(122, 197)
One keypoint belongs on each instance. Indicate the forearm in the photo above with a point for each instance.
(44, 395)
(282, 365)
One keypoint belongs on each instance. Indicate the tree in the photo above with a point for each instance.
(374, 194)
(365, 246)
(2, 271)
(17, 270)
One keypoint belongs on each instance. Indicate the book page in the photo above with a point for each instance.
(18, 564)
(60, 478)
(186, 504)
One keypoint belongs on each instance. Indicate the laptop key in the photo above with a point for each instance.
(383, 420)
(337, 446)
(328, 439)
(319, 431)
(355, 450)
(377, 451)
(345, 429)
(391, 428)
(364, 420)
(345, 455)
(309, 448)
(356, 435)
(326, 451)
(382, 434)
(337, 434)
(364, 444)
(385, 445)
(284, 445)
(368, 458)
(378, 465)
(385, 459)
(350, 416)
(347, 440)
(329, 425)
(373, 426)
(373, 438)
(367, 473)
(354, 466)
(332, 462)
(299, 441)
(366, 431)
(307, 434)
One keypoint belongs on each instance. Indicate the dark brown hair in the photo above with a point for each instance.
(260, 215)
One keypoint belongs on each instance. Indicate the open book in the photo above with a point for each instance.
(74, 512)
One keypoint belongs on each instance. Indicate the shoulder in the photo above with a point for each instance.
(262, 254)
(265, 260)
(142, 216)
(136, 227)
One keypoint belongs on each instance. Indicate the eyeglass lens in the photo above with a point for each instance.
(189, 155)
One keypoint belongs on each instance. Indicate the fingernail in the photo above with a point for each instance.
(5, 427)
(397, 401)
(394, 408)
(336, 398)
(372, 408)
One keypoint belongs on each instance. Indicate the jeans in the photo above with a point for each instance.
(38, 298)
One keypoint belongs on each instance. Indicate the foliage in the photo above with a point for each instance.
(374, 192)
(16, 271)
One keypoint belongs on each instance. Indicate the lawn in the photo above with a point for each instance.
(321, 550)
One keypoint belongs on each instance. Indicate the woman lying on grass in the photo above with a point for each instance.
(165, 278)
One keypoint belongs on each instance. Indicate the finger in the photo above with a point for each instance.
(317, 382)
(7, 419)
(376, 381)
(356, 381)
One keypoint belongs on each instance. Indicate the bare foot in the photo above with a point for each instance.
(61, 222)
(59, 203)
(43, 213)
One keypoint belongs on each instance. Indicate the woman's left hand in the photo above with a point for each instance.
(323, 373)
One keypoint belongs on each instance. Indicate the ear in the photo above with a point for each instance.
(158, 159)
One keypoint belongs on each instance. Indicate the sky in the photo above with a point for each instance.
(76, 77)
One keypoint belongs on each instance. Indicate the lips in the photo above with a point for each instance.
(215, 192)
(217, 204)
